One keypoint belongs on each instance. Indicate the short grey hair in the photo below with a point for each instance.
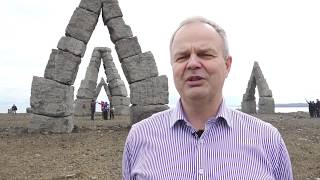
(219, 30)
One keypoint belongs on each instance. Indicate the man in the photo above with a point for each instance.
(92, 108)
(201, 138)
(317, 108)
(312, 108)
(105, 111)
(111, 111)
(14, 109)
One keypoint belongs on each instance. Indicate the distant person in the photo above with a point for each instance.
(105, 111)
(14, 109)
(102, 105)
(312, 108)
(111, 111)
(317, 108)
(93, 108)
(202, 138)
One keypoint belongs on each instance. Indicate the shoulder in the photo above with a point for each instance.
(160, 120)
(254, 125)
(147, 128)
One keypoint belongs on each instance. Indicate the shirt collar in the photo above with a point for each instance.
(224, 112)
(177, 115)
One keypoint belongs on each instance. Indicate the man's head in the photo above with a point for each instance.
(200, 59)
(219, 30)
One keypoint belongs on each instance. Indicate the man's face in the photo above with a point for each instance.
(198, 63)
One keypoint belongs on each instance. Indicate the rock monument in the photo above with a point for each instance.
(52, 95)
(266, 101)
(116, 90)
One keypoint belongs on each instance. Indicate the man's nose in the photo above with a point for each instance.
(193, 62)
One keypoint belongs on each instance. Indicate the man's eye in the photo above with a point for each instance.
(207, 56)
(181, 58)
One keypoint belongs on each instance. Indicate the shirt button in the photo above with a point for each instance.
(201, 141)
(200, 171)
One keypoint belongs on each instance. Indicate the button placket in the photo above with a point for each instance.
(201, 157)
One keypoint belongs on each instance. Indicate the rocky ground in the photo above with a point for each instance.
(94, 149)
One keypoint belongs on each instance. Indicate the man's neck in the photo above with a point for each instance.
(199, 112)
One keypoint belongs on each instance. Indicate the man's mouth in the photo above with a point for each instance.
(194, 78)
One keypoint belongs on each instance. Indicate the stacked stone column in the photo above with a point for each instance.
(119, 95)
(148, 91)
(87, 90)
(115, 89)
(52, 95)
(266, 101)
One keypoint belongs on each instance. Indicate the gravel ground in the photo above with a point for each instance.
(94, 149)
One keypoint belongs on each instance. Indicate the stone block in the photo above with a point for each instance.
(82, 107)
(110, 10)
(139, 67)
(87, 89)
(120, 100)
(41, 123)
(112, 74)
(28, 110)
(118, 91)
(138, 113)
(92, 70)
(51, 98)
(82, 24)
(88, 84)
(248, 97)
(265, 93)
(151, 91)
(72, 45)
(127, 47)
(62, 67)
(266, 105)
(121, 110)
(108, 63)
(118, 29)
(115, 83)
(117, 88)
(248, 106)
(102, 49)
(96, 54)
(91, 5)
(95, 61)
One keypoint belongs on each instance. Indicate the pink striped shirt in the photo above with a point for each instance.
(234, 145)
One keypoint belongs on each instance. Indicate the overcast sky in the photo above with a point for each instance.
(282, 35)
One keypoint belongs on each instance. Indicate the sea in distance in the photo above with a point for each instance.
(283, 109)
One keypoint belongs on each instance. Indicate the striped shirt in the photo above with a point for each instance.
(234, 145)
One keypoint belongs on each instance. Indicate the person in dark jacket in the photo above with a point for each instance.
(93, 108)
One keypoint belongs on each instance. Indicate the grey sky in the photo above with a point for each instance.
(283, 36)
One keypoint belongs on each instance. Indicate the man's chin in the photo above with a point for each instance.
(196, 94)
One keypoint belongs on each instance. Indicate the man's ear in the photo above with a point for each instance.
(228, 65)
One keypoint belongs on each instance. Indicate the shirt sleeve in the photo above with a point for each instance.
(283, 170)
(126, 161)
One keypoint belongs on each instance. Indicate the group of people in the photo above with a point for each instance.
(106, 109)
(314, 108)
(13, 109)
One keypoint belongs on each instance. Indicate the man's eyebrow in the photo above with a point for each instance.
(207, 49)
(180, 52)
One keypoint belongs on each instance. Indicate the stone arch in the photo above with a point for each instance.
(266, 101)
(52, 95)
(105, 87)
(115, 88)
